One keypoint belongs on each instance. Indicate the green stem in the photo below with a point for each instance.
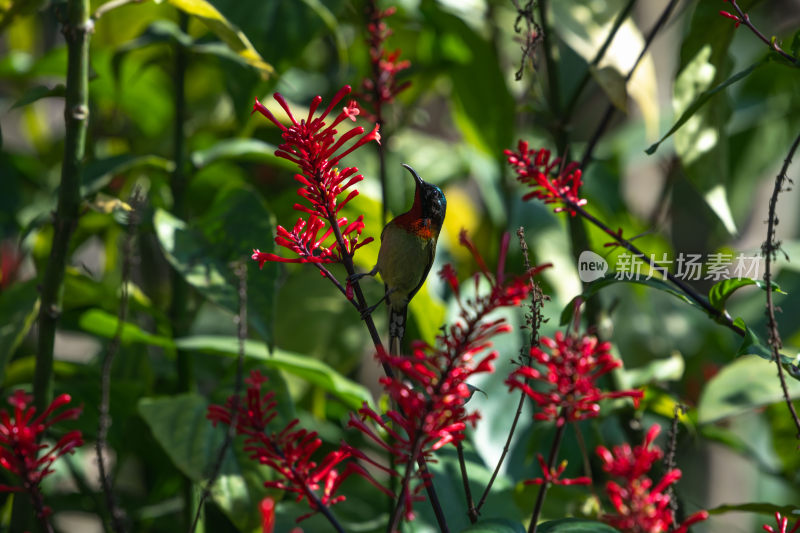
(180, 289)
(77, 30)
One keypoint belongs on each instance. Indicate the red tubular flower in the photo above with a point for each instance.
(732, 17)
(383, 86)
(552, 181)
(21, 450)
(288, 451)
(552, 476)
(782, 523)
(317, 148)
(568, 374)
(640, 506)
(430, 387)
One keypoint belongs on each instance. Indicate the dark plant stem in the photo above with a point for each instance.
(401, 496)
(669, 457)
(549, 59)
(472, 511)
(773, 45)
(77, 30)
(610, 110)
(551, 463)
(537, 301)
(720, 316)
(104, 418)
(240, 270)
(587, 75)
(433, 498)
(770, 249)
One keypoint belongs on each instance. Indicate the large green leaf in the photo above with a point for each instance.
(757, 507)
(747, 383)
(226, 31)
(719, 293)
(37, 93)
(701, 143)
(610, 279)
(104, 324)
(19, 305)
(179, 424)
(237, 222)
(575, 525)
(463, 52)
(752, 344)
(314, 371)
(240, 150)
(99, 172)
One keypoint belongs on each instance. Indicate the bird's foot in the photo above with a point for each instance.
(358, 275)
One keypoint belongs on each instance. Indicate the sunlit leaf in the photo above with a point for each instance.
(225, 30)
(745, 384)
(575, 525)
(719, 293)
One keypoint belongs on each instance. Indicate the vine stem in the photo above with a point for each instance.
(769, 249)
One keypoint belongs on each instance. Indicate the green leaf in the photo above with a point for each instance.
(19, 305)
(701, 99)
(719, 293)
(745, 384)
(99, 172)
(236, 222)
(613, 84)
(37, 93)
(462, 49)
(237, 149)
(104, 324)
(312, 370)
(610, 279)
(755, 507)
(226, 31)
(495, 525)
(180, 426)
(752, 344)
(575, 525)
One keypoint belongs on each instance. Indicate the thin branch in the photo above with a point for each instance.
(610, 110)
(104, 417)
(472, 511)
(744, 18)
(587, 75)
(240, 271)
(770, 249)
(535, 323)
(549, 59)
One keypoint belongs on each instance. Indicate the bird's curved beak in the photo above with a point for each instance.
(414, 173)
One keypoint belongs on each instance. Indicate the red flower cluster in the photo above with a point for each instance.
(568, 375)
(430, 386)
(783, 523)
(317, 148)
(553, 181)
(640, 506)
(21, 450)
(288, 451)
(382, 87)
(552, 476)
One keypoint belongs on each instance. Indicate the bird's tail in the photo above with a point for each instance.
(397, 327)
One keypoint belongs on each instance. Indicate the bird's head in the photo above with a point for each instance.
(429, 199)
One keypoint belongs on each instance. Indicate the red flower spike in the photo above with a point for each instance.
(568, 373)
(289, 452)
(641, 506)
(382, 87)
(21, 450)
(553, 476)
(316, 147)
(552, 182)
(732, 17)
(430, 387)
(783, 523)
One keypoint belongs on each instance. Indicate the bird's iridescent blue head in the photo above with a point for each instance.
(431, 198)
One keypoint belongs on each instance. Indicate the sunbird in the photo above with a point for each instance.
(408, 246)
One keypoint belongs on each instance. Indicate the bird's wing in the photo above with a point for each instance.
(431, 254)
